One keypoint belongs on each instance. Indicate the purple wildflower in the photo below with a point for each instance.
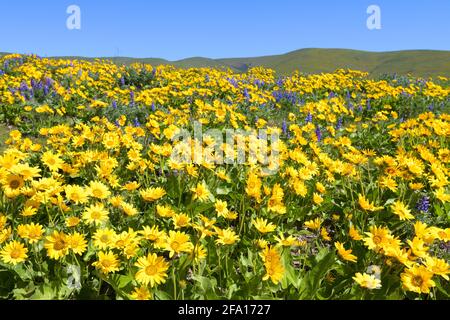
(423, 204)
(284, 127)
(309, 117)
(318, 134)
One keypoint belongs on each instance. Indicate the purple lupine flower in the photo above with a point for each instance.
(339, 124)
(279, 82)
(246, 94)
(114, 104)
(117, 123)
(318, 134)
(153, 107)
(368, 104)
(122, 81)
(331, 95)
(431, 107)
(1, 72)
(136, 122)
(309, 117)
(46, 90)
(131, 98)
(48, 82)
(423, 204)
(207, 78)
(284, 127)
(360, 108)
(23, 87)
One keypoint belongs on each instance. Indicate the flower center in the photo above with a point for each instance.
(97, 193)
(376, 239)
(151, 270)
(95, 215)
(175, 245)
(59, 244)
(15, 253)
(417, 281)
(106, 263)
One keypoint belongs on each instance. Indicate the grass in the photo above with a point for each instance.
(4, 134)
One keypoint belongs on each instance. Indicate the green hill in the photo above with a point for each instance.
(422, 63)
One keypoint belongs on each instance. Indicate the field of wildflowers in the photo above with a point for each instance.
(349, 199)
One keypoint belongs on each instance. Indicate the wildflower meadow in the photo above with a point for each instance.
(144, 182)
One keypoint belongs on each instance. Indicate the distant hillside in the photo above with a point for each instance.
(423, 63)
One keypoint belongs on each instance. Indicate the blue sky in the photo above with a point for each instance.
(175, 29)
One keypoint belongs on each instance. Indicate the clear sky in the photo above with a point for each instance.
(175, 29)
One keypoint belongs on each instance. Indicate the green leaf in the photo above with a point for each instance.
(161, 295)
(310, 284)
(223, 190)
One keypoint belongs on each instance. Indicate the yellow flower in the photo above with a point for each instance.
(178, 242)
(438, 266)
(418, 247)
(354, 234)
(274, 266)
(95, 214)
(221, 207)
(313, 224)
(104, 238)
(72, 221)
(263, 226)
(388, 183)
(107, 262)
(320, 187)
(377, 237)
(345, 254)
(14, 182)
(180, 220)
(325, 235)
(417, 279)
(14, 252)
(57, 245)
(201, 192)
(199, 253)
(442, 195)
(401, 210)
(33, 232)
(76, 194)
(164, 211)
(141, 293)
(98, 190)
(152, 269)
(285, 242)
(317, 198)
(129, 209)
(226, 236)
(152, 234)
(77, 243)
(52, 161)
(130, 186)
(366, 205)
(368, 281)
(152, 194)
